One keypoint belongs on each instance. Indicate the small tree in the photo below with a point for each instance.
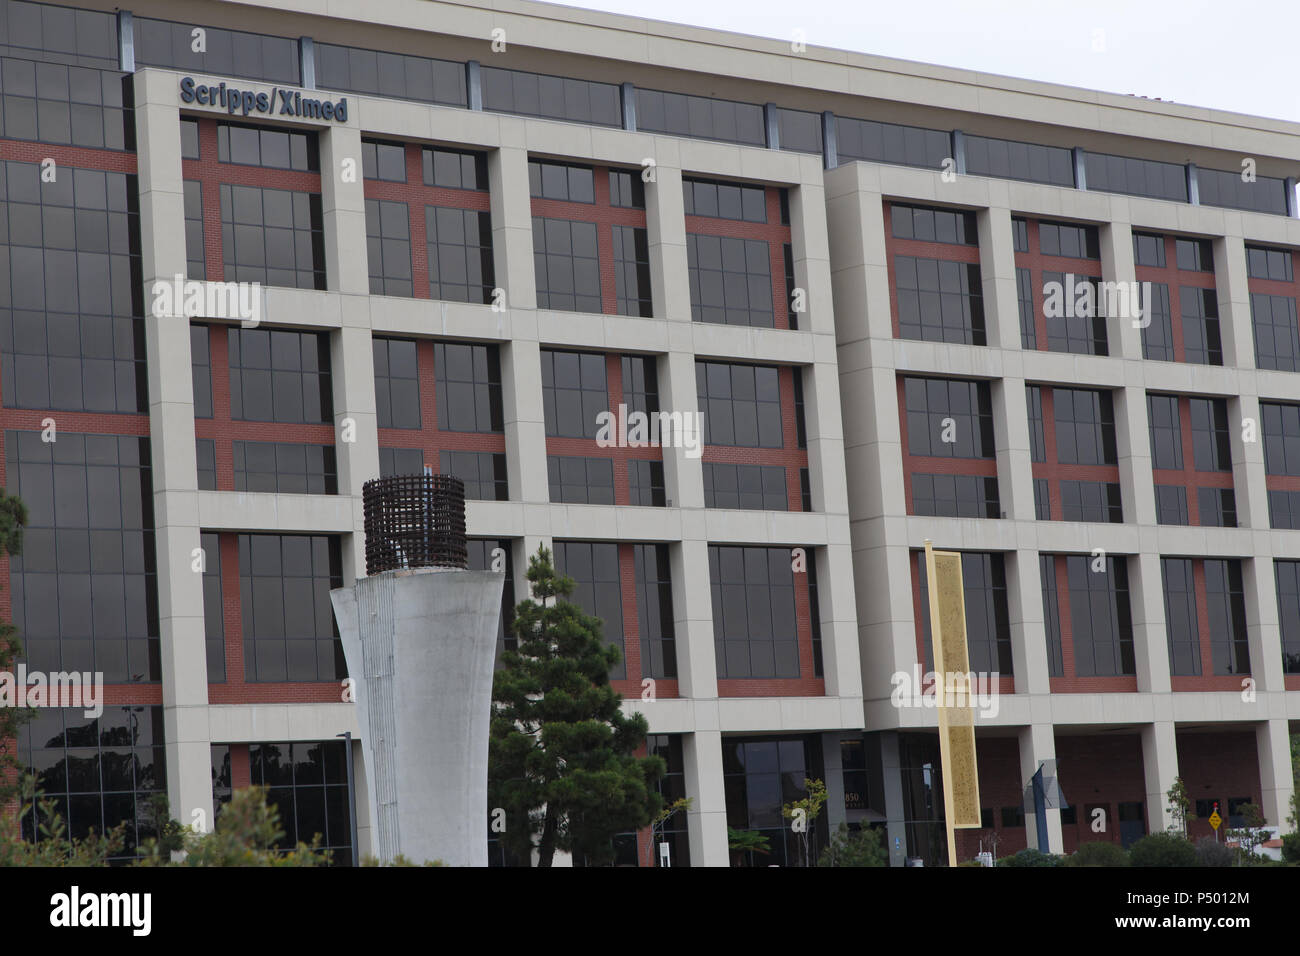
(1248, 836)
(680, 805)
(803, 814)
(561, 757)
(741, 842)
(247, 833)
(1180, 807)
(862, 847)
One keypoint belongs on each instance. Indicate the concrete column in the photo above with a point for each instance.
(834, 777)
(1232, 288)
(895, 811)
(421, 646)
(355, 425)
(175, 478)
(1276, 781)
(525, 422)
(1037, 744)
(670, 287)
(1249, 477)
(1150, 640)
(707, 819)
(1133, 443)
(1028, 629)
(998, 277)
(697, 666)
(1122, 335)
(1263, 631)
(812, 258)
(1011, 435)
(1160, 767)
(683, 468)
(512, 226)
(343, 203)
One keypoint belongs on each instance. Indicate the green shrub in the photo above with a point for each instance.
(1210, 852)
(1031, 857)
(1099, 853)
(1291, 847)
(1162, 850)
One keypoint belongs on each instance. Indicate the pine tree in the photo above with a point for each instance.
(562, 760)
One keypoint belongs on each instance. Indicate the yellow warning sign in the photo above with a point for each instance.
(1215, 819)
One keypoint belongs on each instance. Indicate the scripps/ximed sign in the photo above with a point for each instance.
(277, 102)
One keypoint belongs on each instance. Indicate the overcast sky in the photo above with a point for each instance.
(1235, 55)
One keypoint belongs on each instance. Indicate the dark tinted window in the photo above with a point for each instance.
(1100, 617)
(459, 254)
(285, 468)
(280, 376)
(386, 161)
(654, 609)
(755, 626)
(393, 75)
(741, 404)
(454, 169)
(1195, 255)
(272, 236)
(1085, 427)
(934, 225)
(468, 387)
(594, 567)
(40, 31)
(272, 148)
(397, 383)
(701, 117)
(1281, 427)
(566, 264)
(84, 590)
(731, 280)
(552, 97)
(948, 418)
(574, 393)
(563, 181)
(307, 783)
(1265, 263)
(484, 473)
(1006, 159)
(388, 247)
(1069, 240)
(891, 143)
(219, 52)
(748, 487)
(632, 271)
(575, 480)
(988, 624)
(955, 496)
(1277, 336)
(939, 300)
(1149, 250)
(67, 105)
(724, 200)
(799, 131)
(1260, 194)
(1136, 177)
(288, 625)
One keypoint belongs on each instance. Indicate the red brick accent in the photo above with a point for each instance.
(225, 430)
(1070, 682)
(589, 448)
(235, 689)
(429, 438)
(1175, 278)
(606, 217)
(1218, 765)
(1101, 770)
(1056, 472)
(212, 174)
(790, 456)
(1038, 263)
(241, 771)
(930, 465)
(79, 157)
(1188, 476)
(998, 760)
(417, 195)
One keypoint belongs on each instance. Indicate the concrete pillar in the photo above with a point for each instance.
(512, 226)
(421, 645)
(343, 207)
(1028, 629)
(175, 477)
(1150, 640)
(1159, 767)
(1037, 744)
(1276, 780)
(707, 819)
(998, 278)
(1123, 336)
(525, 422)
(670, 287)
(895, 811)
(1232, 288)
(834, 777)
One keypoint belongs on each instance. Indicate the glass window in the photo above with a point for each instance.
(988, 622)
(755, 624)
(1136, 177)
(575, 480)
(269, 148)
(1229, 189)
(388, 247)
(574, 392)
(222, 53)
(383, 161)
(563, 181)
(1100, 617)
(551, 97)
(717, 200)
(948, 418)
(1277, 336)
(749, 487)
(799, 131)
(280, 376)
(390, 75)
(397, 383)
(307, 782)
(890, 143)
(566, 262)
(934, 225)
(939, 300)
(731, 280)
(741, 404)
(702, 117)
(594, 567)
(272, 236)
(285, 468)
(288, 625)
(459, 254)
(1005, 159)
(84, 592)
(468, 387)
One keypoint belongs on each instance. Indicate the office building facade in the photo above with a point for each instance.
(463, 233)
